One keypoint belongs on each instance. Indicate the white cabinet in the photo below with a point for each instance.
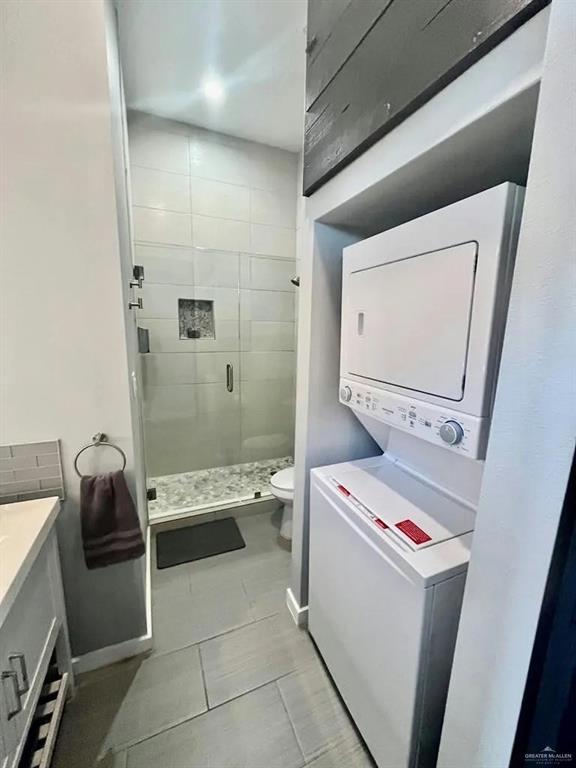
(31, 632)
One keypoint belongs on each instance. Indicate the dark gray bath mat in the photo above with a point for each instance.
(183, 545)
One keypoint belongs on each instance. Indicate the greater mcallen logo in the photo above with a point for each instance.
(548, 756)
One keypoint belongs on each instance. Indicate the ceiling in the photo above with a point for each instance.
(170, 48)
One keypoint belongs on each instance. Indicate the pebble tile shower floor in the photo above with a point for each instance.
(217, 485)
(231, 683)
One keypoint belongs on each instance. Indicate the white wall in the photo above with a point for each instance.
(215, 218)
(64, 371)
(532, 438)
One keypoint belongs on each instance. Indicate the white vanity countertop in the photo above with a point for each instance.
(24, 527)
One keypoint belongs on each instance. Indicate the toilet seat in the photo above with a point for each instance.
(284, 481)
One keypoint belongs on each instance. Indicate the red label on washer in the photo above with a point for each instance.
(380, 523)
(343, 490)
(411, 530)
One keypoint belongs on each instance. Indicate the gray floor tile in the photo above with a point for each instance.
(214, 604)
(173, 582)
(86, 757)
(252, 656)
(260, 532)
(265, 583)
(349, 753)
(132, 702)
(267, 564)
(165, 691)
(197, 601)
(317, 714)
(89, 717)
(250, 732)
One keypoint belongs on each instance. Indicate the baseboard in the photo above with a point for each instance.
(112, 654)
(299, 614)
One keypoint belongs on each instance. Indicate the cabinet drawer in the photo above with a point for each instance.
(31, 623)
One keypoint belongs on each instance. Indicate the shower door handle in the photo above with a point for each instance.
(230, 377)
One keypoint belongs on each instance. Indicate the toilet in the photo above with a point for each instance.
(282, 486)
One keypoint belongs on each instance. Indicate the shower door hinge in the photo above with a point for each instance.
(151, 494)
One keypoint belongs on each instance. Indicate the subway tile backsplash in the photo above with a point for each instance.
(30, 471)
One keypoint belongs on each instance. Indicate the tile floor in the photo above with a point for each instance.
(231, 683)
(207, 487)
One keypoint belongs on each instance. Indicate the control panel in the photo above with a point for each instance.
(450, 429)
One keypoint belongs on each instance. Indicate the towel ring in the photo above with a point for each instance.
(99, 439)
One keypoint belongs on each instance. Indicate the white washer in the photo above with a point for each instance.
(388, 561)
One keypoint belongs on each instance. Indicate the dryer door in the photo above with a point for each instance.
(407, 322)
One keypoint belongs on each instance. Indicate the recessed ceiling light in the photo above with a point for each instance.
(213, 90)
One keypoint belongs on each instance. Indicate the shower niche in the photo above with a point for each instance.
(196, 319)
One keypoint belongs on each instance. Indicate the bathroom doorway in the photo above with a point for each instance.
(217, 324)
(217, 328)
(214, 224)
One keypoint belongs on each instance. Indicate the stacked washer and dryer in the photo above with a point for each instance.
(423, 314)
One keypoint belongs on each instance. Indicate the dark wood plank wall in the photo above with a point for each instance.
(322, 17)
(373, 62)
(331, 41)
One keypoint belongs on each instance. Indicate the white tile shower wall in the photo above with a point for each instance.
(215, 218)
(160, 189)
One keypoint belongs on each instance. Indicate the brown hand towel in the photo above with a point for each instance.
(110, 526)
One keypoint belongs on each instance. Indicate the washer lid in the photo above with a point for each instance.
(283, 480)
(414, 512)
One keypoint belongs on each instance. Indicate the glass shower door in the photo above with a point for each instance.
(219, 377)
(191, 374)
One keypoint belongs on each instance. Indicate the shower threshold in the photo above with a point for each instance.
(189, 494)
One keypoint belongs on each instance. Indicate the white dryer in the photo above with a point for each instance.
(388, 560)
(423, 315)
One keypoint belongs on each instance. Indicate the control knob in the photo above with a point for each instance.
(346, 394)
(451, 432)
